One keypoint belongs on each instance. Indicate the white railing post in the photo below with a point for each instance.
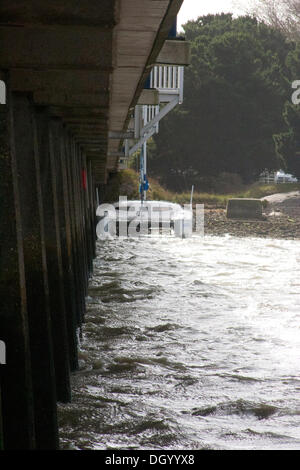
(181, 83)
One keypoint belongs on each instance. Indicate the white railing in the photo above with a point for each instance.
(274, 178)
(165, 77)
(168, 78)
(267, 179)
(149, 113)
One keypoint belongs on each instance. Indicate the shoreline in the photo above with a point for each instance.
(281, 220)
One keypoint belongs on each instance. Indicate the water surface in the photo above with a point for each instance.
(189, 344)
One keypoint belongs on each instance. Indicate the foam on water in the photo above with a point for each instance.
(189, 344)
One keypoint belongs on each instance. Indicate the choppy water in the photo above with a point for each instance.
(189, 344)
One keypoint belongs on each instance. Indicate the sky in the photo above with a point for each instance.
(191, 9)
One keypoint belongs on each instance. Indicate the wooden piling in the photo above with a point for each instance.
(78, 278)
(55, 136)
(36, 277)
(16, 380)
(54, 260)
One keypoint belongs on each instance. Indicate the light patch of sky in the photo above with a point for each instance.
(192, 9)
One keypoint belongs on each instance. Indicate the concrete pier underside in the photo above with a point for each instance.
(73, 70)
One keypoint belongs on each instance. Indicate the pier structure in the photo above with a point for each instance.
(73, 75)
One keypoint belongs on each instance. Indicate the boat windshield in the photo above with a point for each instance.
(148, 206)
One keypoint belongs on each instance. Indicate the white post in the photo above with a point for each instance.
(181, 83)
(97, 197)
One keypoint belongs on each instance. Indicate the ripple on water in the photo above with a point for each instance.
(239, 407)
(189, 343)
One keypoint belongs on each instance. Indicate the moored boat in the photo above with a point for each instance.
(135, 218)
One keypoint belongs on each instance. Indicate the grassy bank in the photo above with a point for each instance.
(126, 183)
(255, 191)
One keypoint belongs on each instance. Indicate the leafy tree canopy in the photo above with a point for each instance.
(235, 90)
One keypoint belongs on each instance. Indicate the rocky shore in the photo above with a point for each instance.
(281, 220)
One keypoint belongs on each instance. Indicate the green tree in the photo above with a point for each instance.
(235, 90)
(288, 143)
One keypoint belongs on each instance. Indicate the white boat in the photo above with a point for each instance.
(136, 218)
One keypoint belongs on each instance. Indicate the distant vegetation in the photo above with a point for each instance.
(126, 183)
(237, 118)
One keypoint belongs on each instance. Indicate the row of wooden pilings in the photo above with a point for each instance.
(47, 243)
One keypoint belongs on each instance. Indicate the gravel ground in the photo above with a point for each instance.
(281, 220)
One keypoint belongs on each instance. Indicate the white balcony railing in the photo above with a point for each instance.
(149, 113)
(168, 79)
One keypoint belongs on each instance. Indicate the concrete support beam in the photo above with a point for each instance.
(116, 154)
(36, 277)
(54, 262)
(70, 256)
(56, 47)
(80, 114)
(92, 206)
(75, 229)
(71, 75)
(149, 97)
(71, 12)
(1, 426)
(86, 212)
(15, 379)
(53, 81)
(82, 128)
(174, 52)
(89, 138)
(37, 286)
(65, 263)
(70, 99)
(78, 196)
